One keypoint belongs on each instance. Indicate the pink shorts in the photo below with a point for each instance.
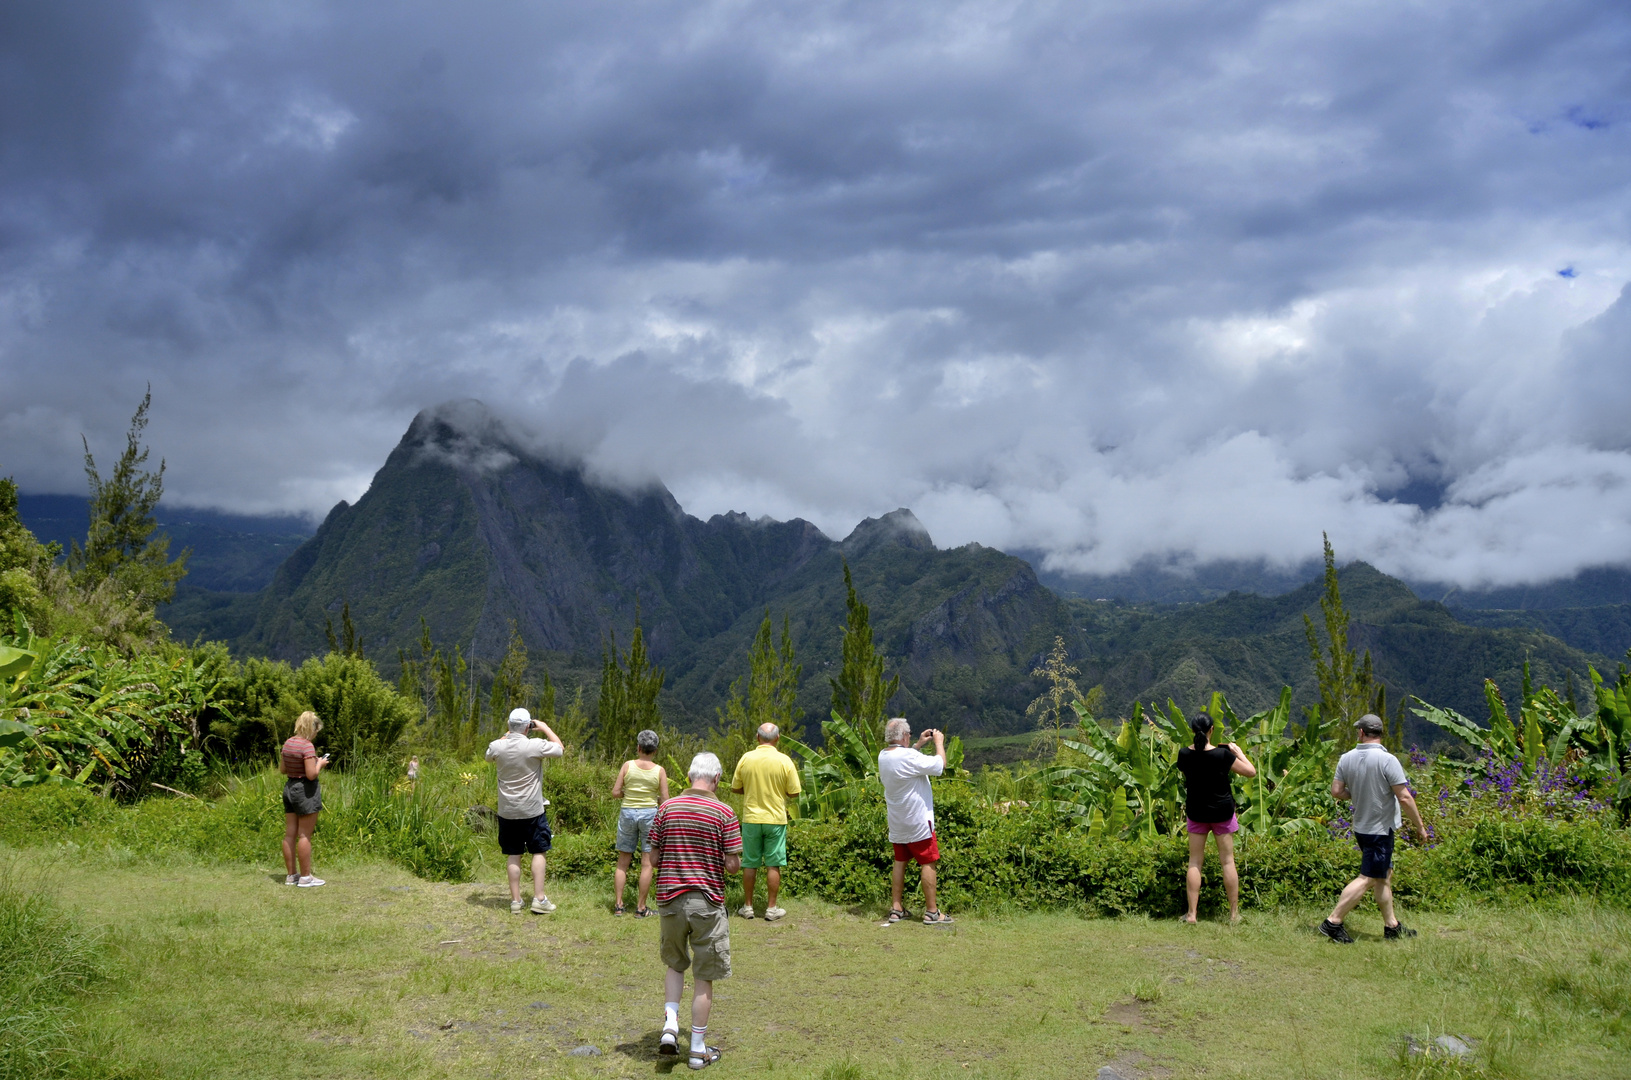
(1219, 828)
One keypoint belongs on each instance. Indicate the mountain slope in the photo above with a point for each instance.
(467, 528)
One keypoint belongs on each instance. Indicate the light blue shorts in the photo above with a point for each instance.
(634, 829)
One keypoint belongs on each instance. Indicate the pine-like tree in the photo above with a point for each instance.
(771, 696)
(860, 693)
(1346, 683)
(120, 543)
(629, 687)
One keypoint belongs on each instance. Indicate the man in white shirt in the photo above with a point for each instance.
(905, 773)
(523, 826)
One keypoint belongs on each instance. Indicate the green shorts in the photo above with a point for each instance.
(763, 845)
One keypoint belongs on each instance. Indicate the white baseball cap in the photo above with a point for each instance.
(520, 719)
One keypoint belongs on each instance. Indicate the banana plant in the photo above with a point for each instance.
(1126, 781)
(1291, 790)
(836, 775)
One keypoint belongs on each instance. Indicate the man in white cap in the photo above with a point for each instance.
(522, 824)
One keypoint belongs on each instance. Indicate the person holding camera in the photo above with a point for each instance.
(905, 773)
(523, 826)
(302, 799)
(1209, 804)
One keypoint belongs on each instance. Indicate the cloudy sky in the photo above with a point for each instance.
(1175, 280)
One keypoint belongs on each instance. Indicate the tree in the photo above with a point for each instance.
(120, 545)
(24, 564)
(771, 697)
(1347, 685)
(629, 686)
(861, 694)
(510, 689)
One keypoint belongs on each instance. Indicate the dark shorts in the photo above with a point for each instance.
(301, 797)
(518, 836)
(923, 852)
(1375, 854)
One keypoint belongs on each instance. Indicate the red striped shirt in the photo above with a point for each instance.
(295, 753)
(695, 832)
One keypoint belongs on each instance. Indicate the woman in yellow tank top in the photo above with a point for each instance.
(642, 784)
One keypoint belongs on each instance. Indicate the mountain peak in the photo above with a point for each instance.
(465, 434)
(900, 528)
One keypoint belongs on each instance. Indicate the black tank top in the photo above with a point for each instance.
(1206, 783)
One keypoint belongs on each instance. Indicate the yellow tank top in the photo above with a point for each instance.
(639, 787)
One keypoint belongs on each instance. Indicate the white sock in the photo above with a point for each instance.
(699, 1039)
(671, 1016)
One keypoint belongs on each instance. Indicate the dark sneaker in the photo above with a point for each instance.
(1336, 932)
(1397, 931)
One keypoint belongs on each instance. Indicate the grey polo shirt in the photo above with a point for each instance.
(520, 783)
(1369, 772)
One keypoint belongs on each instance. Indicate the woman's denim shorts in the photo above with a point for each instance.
(634, 829)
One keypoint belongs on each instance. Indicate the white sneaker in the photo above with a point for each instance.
(746, 911)
(774, 913)
(310, 882)
(516, 906)
(291, 879)
(541, 905)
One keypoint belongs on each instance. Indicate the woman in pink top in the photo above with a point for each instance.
(301, 799)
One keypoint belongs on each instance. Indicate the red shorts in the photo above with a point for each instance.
(924, 851)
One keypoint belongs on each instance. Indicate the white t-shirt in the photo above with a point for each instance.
(520, 781)
(905, 774)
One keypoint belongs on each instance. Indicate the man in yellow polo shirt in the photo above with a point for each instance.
(765, 777)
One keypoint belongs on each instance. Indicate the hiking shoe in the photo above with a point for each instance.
(310, 882)
(291, 879)
(774, 913)
(516, 906)
(1336, 932)
(746, 911)
(541, 905)
(1397, 931)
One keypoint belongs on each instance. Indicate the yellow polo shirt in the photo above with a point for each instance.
(765, 777)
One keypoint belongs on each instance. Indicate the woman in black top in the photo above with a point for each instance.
(1210, 807)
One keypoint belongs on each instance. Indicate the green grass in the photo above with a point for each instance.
(222, 971)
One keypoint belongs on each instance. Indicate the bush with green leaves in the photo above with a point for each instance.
(362, 714)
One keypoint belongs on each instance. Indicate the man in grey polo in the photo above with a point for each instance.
(523, 826)
(1375, 782)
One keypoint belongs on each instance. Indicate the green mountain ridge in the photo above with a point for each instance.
(469, 528)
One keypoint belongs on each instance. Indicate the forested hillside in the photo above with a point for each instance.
(467, 531)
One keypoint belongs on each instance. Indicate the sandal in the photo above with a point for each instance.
(895, 915)
(617, 909)
(937, 918)
(704, 1059)
(641, 913)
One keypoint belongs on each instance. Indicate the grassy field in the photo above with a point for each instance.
(222, 971)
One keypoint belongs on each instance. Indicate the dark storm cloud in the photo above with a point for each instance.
(1190, 279)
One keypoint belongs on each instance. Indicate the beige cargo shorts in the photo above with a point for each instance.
(692, 924)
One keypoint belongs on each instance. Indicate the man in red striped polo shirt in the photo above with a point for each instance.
(695, 841)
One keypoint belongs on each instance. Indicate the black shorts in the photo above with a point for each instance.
(301, 797)
(524, 835)
(1375, 854)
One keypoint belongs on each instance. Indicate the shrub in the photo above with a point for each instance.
(579, 794)
(361, 713)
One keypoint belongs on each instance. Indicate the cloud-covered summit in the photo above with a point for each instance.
(1174, 280)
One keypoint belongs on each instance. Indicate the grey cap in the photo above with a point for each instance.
(1370, 724)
